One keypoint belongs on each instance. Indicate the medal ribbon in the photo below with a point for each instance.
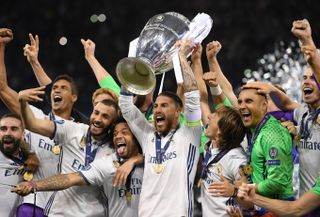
(18, 160)
(128, 181)
(161, 151)
(89, 155)
(206, 163)
(252, 139)
(53, 118)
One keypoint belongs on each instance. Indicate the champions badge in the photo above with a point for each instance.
(158, 168)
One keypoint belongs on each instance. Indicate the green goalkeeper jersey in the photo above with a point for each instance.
(272, 162)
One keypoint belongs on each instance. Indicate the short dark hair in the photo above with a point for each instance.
(68, 78)
(174, 97)
(111, 103)
(120, 119)
(258, 93)
(231, 127)
(12, 115)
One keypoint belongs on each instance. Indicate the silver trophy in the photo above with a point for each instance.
(153, 53)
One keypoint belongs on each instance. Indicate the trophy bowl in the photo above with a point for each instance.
(153, 53)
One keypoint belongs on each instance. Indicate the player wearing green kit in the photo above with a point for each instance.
(269, 148)
(271, 159)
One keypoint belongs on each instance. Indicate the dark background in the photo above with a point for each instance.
(247, 29)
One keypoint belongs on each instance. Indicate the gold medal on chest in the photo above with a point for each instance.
(248, 170)
(158, 168)
(56, 149)
(27, 176)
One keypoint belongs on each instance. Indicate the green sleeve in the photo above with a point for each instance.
(225, 102)
(109, 82)
(277, 149)
(204, 140)
(316, 188)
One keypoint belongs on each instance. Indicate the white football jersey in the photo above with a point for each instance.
(81, 200)
(42, 146)
(309, 151)
(100, 173)
(229, 167)
(167, 193)
(10, 175)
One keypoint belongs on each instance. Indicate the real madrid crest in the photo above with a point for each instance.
(116, 164)
(219, 168)
(83, 142)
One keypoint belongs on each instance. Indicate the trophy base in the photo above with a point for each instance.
(136, 75)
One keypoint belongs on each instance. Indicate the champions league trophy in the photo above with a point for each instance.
(155, 49)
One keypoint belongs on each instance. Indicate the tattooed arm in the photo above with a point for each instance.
(52, 183)
(189, 81)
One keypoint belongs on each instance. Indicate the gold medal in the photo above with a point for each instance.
(158, 168)
(247, 170)
(116, 164)
(128, 196)
(56, 149)
(27, 176)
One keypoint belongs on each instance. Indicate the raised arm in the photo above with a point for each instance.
(302, 30)
(198, 73)
(192, 97)
(212, 50)
(52, 183)
(281, 99)
(7, 95)
(6, 36)
(189, 81)
(102, 75)
(31, 51)
(44, 127)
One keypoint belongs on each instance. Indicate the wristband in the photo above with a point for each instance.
(216, 91)
(33, 185)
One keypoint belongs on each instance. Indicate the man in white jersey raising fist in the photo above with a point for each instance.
(122, 201)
